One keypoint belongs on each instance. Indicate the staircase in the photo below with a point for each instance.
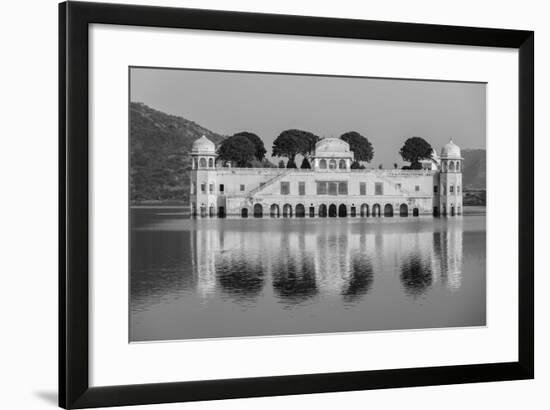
(269, 182)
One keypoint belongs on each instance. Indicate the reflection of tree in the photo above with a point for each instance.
(295, 282)
(416, 276)
(240, 278)
(360, 280)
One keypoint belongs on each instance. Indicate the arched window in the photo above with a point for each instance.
(202, 162)
(342, 211)
(287, 211)
(332, 164)
(274, 211)
(258, 211)
(452, 166)
(323, 164)
(342, 164)
(195, 163)
(457, 166)
(211, 163)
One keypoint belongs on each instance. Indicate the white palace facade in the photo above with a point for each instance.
(329, 189)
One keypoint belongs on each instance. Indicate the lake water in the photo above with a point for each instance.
(201, 278)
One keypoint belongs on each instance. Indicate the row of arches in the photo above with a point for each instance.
(203, 162)
(332, 164)
(331, 211)
(451, 166)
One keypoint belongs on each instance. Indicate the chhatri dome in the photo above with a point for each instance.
(332, 147)
(450, 151)
(203, 146)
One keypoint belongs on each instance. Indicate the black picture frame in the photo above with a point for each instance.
(74, 387)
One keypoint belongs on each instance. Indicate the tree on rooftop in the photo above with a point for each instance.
(291, 164)
(305, 164)
(359, 145)
(237, 149)
(292, 142)
(257, 141)
(414, 150)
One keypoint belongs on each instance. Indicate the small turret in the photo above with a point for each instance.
(203, 153)
(450, 180)
(203, 178)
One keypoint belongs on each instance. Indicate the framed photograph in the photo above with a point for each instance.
(257, 204)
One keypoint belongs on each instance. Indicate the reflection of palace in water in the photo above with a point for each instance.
(304, 260)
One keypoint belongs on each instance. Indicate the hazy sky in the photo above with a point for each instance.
(386, 111)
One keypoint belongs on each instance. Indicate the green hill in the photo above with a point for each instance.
(159, 153)
(474, 169)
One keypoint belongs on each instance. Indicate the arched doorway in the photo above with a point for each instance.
(415, 211)
(212, 211)
(300, 211)
(436, 211)
(376, 210)
(244, 213)
(403, 210)
(221, 212)
(258, 211)
(452, 210)
(342, 211)
(332, 211)
(287, 211)
(274, 211)
(364, 210)
(352, 212)
(388, 210)
(203, 211)
(311, 211)
(323, 211)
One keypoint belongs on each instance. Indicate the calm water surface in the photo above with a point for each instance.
(196, 278)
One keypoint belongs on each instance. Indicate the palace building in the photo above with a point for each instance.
(329, 189)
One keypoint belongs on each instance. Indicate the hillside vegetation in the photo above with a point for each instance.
(159, 153)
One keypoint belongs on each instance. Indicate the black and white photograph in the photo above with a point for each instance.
(266, 204)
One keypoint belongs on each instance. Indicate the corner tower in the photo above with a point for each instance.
(203, 196)
(450, 180)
